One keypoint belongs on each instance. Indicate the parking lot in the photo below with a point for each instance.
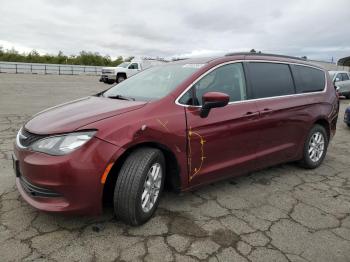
(284, 213)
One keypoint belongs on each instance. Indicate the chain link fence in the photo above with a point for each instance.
(62, 69)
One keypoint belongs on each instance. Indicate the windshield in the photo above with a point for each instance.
(125, 64)
(153, 83)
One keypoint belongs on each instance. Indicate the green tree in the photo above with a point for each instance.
(129, 59)
(83, 58)
(117, 61)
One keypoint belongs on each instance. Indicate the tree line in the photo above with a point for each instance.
(83, 58)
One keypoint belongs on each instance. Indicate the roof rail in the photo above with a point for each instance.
(265, 54)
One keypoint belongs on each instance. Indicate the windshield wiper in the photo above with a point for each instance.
(121, 97)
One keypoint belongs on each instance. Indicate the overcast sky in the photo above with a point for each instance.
(318, 29)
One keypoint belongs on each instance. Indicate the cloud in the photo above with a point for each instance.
(177, 28)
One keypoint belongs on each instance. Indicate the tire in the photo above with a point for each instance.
(120, 79)
(314, 159)
(348, 124)
(130, 186)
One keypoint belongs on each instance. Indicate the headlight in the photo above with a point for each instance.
(62, 144)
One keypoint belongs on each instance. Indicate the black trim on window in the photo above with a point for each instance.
(248, 84)
(293, 78)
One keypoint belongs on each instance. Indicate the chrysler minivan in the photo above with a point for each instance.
(178, 126)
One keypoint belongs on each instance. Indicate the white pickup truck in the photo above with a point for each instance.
(125, 70)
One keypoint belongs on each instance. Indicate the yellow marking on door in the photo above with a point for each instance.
(196, 170)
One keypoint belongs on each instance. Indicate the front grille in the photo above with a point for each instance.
(36, 191)
(26, 138)
(106, 71)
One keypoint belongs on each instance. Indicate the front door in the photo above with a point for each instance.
(133, 69)
(224, 143)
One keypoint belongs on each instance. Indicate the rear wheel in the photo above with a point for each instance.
(315, 147)
(139, 185)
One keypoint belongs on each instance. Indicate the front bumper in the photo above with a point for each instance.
(343, 92)
(69, 184)
(107, 77)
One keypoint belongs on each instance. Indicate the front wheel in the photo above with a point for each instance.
(315, 147)
(139, 185)
(120, 79)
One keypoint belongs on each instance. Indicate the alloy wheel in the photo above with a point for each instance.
(316, 147)
(151, 187)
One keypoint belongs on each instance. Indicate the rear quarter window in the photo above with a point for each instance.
(270, 79)
(308, 79)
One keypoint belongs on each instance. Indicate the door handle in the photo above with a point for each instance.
(267, 111)
(250, 114)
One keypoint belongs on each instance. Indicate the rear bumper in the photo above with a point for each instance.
(68, 184)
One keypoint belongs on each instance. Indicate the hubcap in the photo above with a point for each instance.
(316, 147)
(151, 187)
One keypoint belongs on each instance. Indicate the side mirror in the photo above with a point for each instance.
(337, 79)
(211, 100)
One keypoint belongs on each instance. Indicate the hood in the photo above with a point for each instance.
(119, 68)
(75, 114)
(345, 83)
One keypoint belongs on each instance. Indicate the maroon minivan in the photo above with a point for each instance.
(181, 125)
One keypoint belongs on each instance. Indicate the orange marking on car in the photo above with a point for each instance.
(106, 172)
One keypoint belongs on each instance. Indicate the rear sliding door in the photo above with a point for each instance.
(283, 113)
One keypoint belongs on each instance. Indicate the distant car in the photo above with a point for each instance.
(341, 80)
(347, 116)
(110, 75)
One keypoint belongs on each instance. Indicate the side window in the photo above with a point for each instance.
(308, 79)
(228, 79)
(187, 98)
(345, 76)
(133, 66)
(270, 79)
